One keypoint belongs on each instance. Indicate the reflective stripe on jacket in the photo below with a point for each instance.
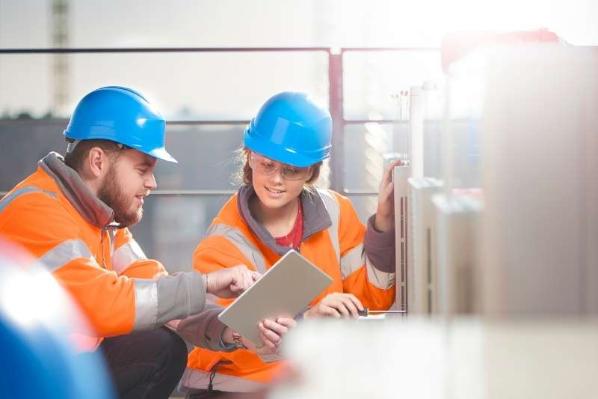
(333, 240)
(56, 217)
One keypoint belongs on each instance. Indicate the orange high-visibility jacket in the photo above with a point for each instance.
(54, 215)
(333, 240)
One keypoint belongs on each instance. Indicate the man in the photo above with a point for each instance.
(73, 215)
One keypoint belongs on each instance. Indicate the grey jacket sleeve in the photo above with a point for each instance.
(205, 330)
(380, 247)
(180, 301)
(168, 298)
(180, 295)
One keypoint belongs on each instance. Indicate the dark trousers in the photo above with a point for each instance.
(145, 364)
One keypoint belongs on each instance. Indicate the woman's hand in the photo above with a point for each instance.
(384, 220)
(271, 334)
(338, 305)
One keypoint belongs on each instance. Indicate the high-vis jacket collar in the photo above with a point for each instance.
(94, 210)
(315, 217)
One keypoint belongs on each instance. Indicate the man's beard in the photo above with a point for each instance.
(113, 196)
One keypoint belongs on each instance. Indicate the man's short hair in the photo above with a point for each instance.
(76, 157)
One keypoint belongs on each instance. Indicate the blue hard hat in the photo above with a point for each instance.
(292, 129)
(37, 323)
(121, 115)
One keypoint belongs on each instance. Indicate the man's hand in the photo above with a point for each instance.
(384, 220)
(230, 282)
(338, 305)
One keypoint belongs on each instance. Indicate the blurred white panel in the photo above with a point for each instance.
(431, 359)
(540, 181)
(456, 241)
(422, 267)
(366, 359)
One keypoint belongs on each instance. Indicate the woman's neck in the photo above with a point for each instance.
(278, 221)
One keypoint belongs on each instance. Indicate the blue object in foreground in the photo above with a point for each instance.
(38, 323)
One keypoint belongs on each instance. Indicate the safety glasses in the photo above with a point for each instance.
(268, 167)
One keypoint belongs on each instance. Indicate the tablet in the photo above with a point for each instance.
(284, 290)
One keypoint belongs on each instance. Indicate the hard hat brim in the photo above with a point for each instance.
(161, 153)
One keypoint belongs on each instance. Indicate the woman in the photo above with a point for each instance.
(278, 208)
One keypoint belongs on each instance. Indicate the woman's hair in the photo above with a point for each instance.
(244, 173)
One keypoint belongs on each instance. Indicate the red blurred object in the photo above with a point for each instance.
(456, 45)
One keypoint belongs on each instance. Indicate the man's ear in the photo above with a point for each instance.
(97, 162)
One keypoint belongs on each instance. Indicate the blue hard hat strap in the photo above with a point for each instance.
(71, 144)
